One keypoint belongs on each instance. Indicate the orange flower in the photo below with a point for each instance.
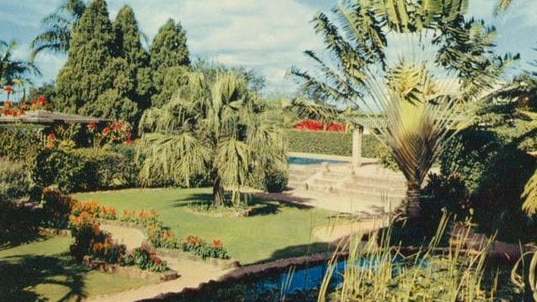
(217, 243)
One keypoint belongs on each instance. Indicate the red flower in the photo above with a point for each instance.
(8, 89)
(106, 130)
(92, 125)
(41, 100)
(116, 126)
(52, 136)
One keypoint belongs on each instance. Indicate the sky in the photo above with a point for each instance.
(267, 36)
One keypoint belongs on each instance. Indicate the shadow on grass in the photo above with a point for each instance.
(260, 203)
(12, 239)
(312, 251)
(19, 274)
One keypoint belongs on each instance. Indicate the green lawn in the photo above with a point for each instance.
(43, 271)
(276, 230)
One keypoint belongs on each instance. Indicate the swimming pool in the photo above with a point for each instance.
(297, 160)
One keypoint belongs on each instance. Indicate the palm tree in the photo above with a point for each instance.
(414, 109)
(213, 124)
(14, 71)
(419, 114)
(58, 27)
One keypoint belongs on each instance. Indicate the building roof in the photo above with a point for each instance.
(49, 117)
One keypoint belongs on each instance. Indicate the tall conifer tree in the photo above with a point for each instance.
(169, 61)
(95, 81)
(81, 80)
(129, 48)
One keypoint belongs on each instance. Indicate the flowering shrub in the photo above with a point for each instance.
(314, 125)
(161, 236)
(118, 132)
(146, 258)
(105, 248)
(39, 104)
(94, 209)
(9, 108)
(198, 246)
(56, 208)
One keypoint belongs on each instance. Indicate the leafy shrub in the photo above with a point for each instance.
(14, 180)
(469, 154)
(56, 208)
(444, 194)
(19, 143)
(106, 249)
(199, 247)
(17, 223)
(83, 169)
(146, 259)
(498, 199)
(275, 180)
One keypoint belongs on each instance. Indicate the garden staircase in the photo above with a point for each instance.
(369, 189)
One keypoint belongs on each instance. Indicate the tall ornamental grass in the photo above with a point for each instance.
(376, 271)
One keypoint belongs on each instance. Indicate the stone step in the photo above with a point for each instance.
(383, 180)
(371, 187)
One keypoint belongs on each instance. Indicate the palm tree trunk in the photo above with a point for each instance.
(413, 203)
(218, 189)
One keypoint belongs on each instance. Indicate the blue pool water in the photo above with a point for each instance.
(311, 161)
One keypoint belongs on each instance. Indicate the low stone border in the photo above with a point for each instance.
(223, 214)
(54, 232)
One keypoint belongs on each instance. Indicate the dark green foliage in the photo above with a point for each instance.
(469, 154)
(56, 209)
(275, 180)
(129, 48)
(19, 143)
(100, 76)
(15, 182)
(444, 194)
(497, 201)
(18, 223)
(169, 61)
(332, 143)
(81, 80)
(83, 169)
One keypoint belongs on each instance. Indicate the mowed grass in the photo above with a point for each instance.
(43, 270)
(276, 230)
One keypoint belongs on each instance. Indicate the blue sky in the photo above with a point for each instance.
(266, 36)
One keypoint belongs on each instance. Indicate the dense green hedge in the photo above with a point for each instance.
(83, 169)
(14, 181)
(331, 143)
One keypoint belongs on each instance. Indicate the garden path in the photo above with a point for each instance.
(191, 273)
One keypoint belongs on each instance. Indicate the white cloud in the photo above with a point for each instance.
(267, 36)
